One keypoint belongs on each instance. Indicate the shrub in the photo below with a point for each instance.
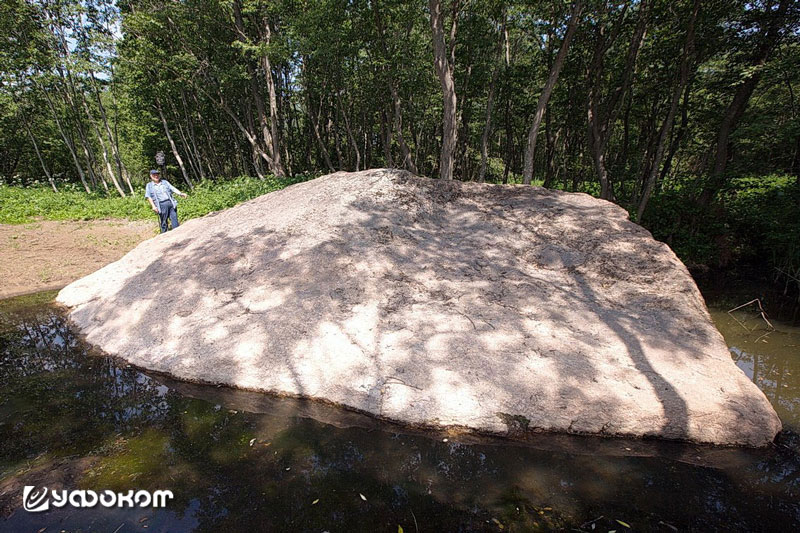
(756, 220)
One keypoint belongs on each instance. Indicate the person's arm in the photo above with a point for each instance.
(148, 194)
(175, 190)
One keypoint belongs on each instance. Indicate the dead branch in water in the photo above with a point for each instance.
(760, 310)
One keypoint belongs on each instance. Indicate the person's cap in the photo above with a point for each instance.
(154, 171)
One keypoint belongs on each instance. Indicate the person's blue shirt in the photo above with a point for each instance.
(161, 192)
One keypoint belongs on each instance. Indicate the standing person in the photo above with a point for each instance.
(159, 193)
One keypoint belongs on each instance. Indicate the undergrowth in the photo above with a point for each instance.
(20, 205)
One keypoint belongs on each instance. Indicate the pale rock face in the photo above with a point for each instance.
(497, 308)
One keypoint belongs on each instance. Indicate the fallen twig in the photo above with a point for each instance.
(760, 310)
(762, 336)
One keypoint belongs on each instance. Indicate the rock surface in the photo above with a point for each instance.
(498, 308)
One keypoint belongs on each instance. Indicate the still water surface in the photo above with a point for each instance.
(247, 462)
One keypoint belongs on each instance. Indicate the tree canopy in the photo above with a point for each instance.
(620, 99)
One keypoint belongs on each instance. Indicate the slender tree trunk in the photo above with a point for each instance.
(266, 130)
(509, 136)
(315, 125)
(600, 127)
(191, 156)
(194, 162)
(277, 167)
(256, 160)
(678, 136)
(739, 103)
(408, 160)
(67, 140)
(397, 118)
(551, 173)
(191, 138)
(172, 145)
(249, 135)
(487, 127)
(350, 136)
(333, 126)
(111, 138)
(103, 147)
(288, 139)
(683, 79)
(444, 70)
(87, 151)
(386, 134)
(68, 90)
(366, 134)
(544, 98)
(38, 153)
(794, 167)
(219, 167)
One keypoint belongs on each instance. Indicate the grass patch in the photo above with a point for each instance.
(21, 205)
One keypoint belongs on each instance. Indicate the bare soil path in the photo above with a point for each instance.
(48, 254)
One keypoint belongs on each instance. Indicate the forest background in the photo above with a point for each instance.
(685, 112)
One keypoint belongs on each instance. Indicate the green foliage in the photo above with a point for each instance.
(764, 214)
(19, 205)
(757, 220)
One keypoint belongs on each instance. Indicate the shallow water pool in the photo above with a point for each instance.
(244, 461)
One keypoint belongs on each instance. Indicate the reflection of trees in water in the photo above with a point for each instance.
(778, 376)
(64, 399)
(56, 396)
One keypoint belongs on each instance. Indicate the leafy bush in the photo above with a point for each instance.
(756, 220)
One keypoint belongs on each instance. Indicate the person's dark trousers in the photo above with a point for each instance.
(167, 212)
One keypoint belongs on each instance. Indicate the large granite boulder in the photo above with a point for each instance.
(497, 308)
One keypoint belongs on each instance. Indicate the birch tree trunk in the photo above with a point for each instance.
(67, 140)
(103, 147)
(38, 153)
(172, 146)
(111, 138)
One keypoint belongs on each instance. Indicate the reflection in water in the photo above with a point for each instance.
(771, 358)
(242, 461)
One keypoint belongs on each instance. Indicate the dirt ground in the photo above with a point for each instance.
(50, 254)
